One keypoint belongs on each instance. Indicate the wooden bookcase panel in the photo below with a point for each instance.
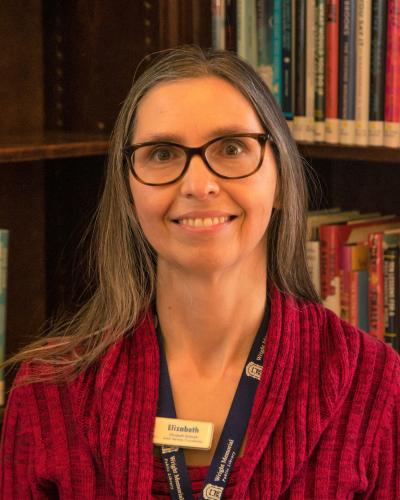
(22, 211)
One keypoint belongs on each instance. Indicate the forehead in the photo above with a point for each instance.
(194, 108)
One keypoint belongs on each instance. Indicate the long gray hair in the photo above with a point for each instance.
(122, 263)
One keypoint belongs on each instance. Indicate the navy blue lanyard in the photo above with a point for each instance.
(232, 434)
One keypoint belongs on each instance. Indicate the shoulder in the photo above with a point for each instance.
(348, 361)
(39, 390)
(351, 356)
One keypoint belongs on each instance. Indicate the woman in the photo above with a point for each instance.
(204, 314)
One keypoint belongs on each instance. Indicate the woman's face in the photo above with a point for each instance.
(203, 223)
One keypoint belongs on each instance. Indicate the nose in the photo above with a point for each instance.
(199, 182)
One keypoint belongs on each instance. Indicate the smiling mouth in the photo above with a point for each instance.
(204, 221)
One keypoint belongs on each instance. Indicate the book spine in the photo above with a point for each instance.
(347, 72)
(287, 60)
(362, 306)
(299, 120)
(363, 70)
(4, 237)
(264, 20)
(376, 308)
(218, 24)
(277, 52)
(345, 276)
(391, 256)
(241, 29)
(251, 31)
(314, 263)
(332, 72)
(230, 25)
(310, 70)
(353, 306)
(392, 93)
(319, 112)
(377, 77)
(330, 267)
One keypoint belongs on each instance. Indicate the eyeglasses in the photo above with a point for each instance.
(229, 157)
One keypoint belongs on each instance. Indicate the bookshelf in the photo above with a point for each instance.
(59, 102)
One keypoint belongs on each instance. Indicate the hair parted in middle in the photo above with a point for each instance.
(123, 263)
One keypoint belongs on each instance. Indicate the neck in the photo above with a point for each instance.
(210, 321)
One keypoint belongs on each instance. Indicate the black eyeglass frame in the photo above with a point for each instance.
(129, 151)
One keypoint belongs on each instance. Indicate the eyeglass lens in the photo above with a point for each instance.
(230, 157)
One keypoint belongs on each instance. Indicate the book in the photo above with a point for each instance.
(391, 264)
(310, 70)
(264, 19)
(353, 258)
(230, 25)
(363, 42)
(4, 239)
(378, 73)
(287, 59)
(376, 307)
(332, 72)
(277, 51)
(299, 119)
(359, 299)
(218, 24)
(246, 28)
(392, 84)
(347, 72)
(319, 91)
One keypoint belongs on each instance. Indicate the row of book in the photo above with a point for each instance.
(354, 260)
(332, 65)
(3, 292)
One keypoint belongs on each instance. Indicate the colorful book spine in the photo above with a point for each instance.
(264, 13)
(287, 60)
(378, 73)
(319, 111)
(230, 25)
(392, 93)
(347, 72)
(391, 260)
(300, 120)
(310, 70)
(332, 72)
(376, 305)
(363, 70)
(218, 24)
(330, 240)
(4, 237)
(277, 52)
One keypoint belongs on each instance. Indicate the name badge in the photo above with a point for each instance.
(179, 433)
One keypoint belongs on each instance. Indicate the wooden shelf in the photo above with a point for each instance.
(51, 145)
(358, 153)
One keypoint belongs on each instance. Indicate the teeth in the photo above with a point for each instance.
(206, 222)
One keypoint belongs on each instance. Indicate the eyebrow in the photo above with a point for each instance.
(217, 132)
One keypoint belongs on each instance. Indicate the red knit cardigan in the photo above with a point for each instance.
(324, 425)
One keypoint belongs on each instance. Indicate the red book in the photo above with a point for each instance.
(376, 299)
(392, 86)
(332, 71)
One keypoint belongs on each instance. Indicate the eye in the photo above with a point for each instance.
(233, 148)
(162, 153)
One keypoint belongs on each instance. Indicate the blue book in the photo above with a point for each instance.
(4, 234)
(277, 51)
